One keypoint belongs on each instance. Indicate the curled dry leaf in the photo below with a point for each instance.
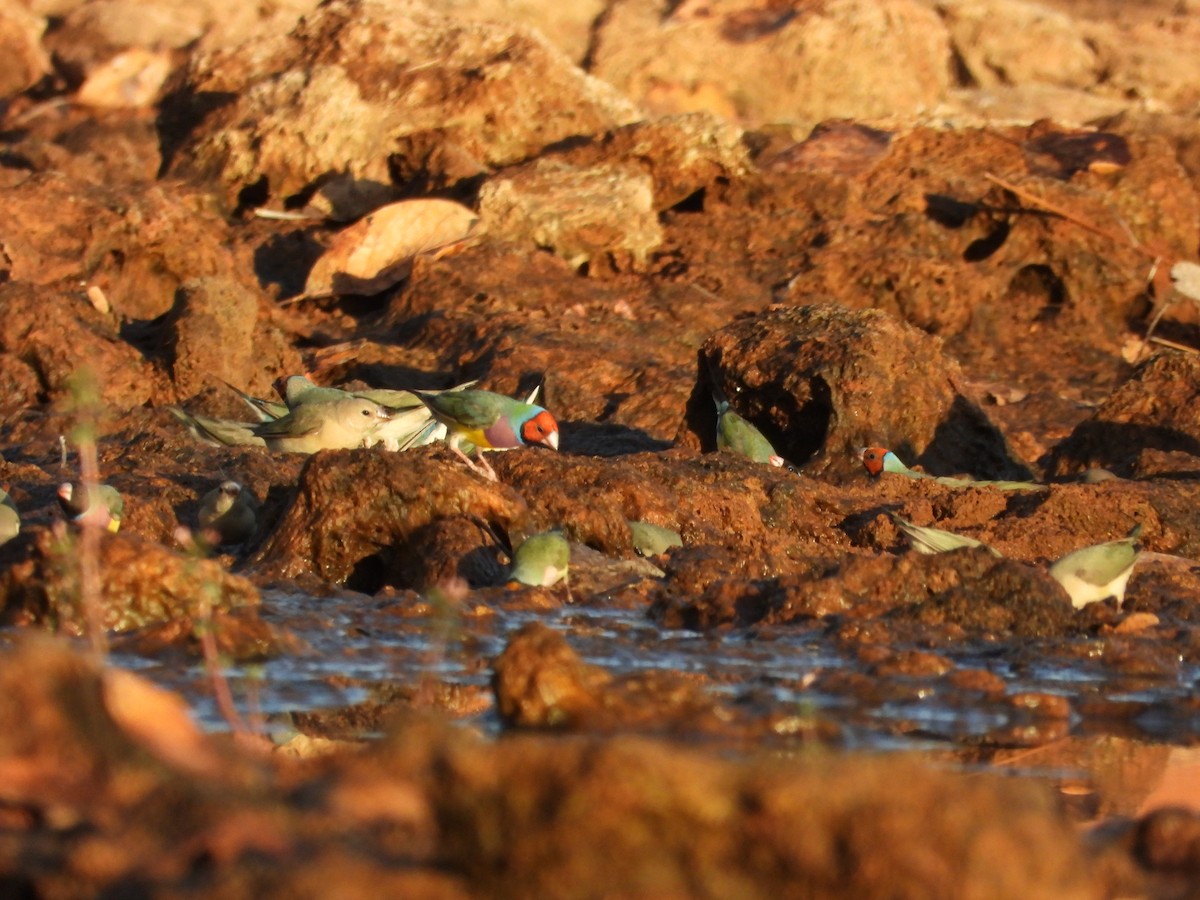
(129, 80)
(377, 252)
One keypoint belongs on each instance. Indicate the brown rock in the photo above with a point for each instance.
(58, 332)
(24, 60)
(214, 335)
(1014, 42)
(540, 681)
(767, 62)
(821, 382)
(822, 827)
(568, 26)
(1155, 409)
(769, 520)
(358, 516)
(1168, 840)
(578, 213)
(364, 88)
(613, 353)
(141, 583)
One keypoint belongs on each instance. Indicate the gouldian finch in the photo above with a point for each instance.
(651, 540)
(410, 423)
(541, 561)
(877, 460)
(227, 511)
(491, 422)
(10, 519)
(1099, 571)
(936, 540)
(737, 435)
(218, 432)
(101, 505)
(336, 425)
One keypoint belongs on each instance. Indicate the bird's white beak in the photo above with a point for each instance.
(552, 440)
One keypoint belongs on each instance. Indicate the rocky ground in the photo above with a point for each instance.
(943, 228)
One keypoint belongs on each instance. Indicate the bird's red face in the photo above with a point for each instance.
(541, 429)
(872, 459)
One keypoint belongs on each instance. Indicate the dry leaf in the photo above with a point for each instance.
(129, 80)
(377, 252)
(1131, 350)
(158, 720)
(1135, 622)
(1185, 278)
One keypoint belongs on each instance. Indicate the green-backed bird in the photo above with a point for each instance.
(737, 435)
(877, 460)
(10, 519)
(1099, 571)
(227, 512)
(218, 432)
(651, 540)
(337, 425)
(925, 539)
(100, 505)
(410, 424)
(490, 421)
(542, 560)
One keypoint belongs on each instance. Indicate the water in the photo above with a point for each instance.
(357, 643)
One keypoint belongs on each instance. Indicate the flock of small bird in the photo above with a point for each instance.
(1088, 575)
(309, 418)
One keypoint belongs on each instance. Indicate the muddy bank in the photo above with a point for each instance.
(937, 229)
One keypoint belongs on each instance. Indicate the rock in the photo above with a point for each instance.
(1156, 408)
(568, 26)
(540, 681)
(402, 95)
(59, 333)
(23, 60)
(141, 583)
(576, 213)
(1014, 42)
(765, 516)
(968, 589)
(944, 262)
(833, 826)
(823, 381)
(1168, 74)
(138, 247)
(684, 154)
(214, 335)
(776, 62)
(359, 517)
(1168, 841)
(517, 318)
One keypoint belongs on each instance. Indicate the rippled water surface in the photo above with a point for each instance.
(359, 644)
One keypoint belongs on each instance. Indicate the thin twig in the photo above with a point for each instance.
(1034, 199)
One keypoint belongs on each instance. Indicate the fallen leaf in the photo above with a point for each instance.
(158, 720)
(129, 80)
(377, 251)
(1135, 622)
(1185, 278)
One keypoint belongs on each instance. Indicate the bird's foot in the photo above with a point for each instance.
(482, 466)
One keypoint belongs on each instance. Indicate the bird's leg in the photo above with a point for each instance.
(483, 467)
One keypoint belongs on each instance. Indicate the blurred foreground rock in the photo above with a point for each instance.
(141, 583)
(100, 762)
